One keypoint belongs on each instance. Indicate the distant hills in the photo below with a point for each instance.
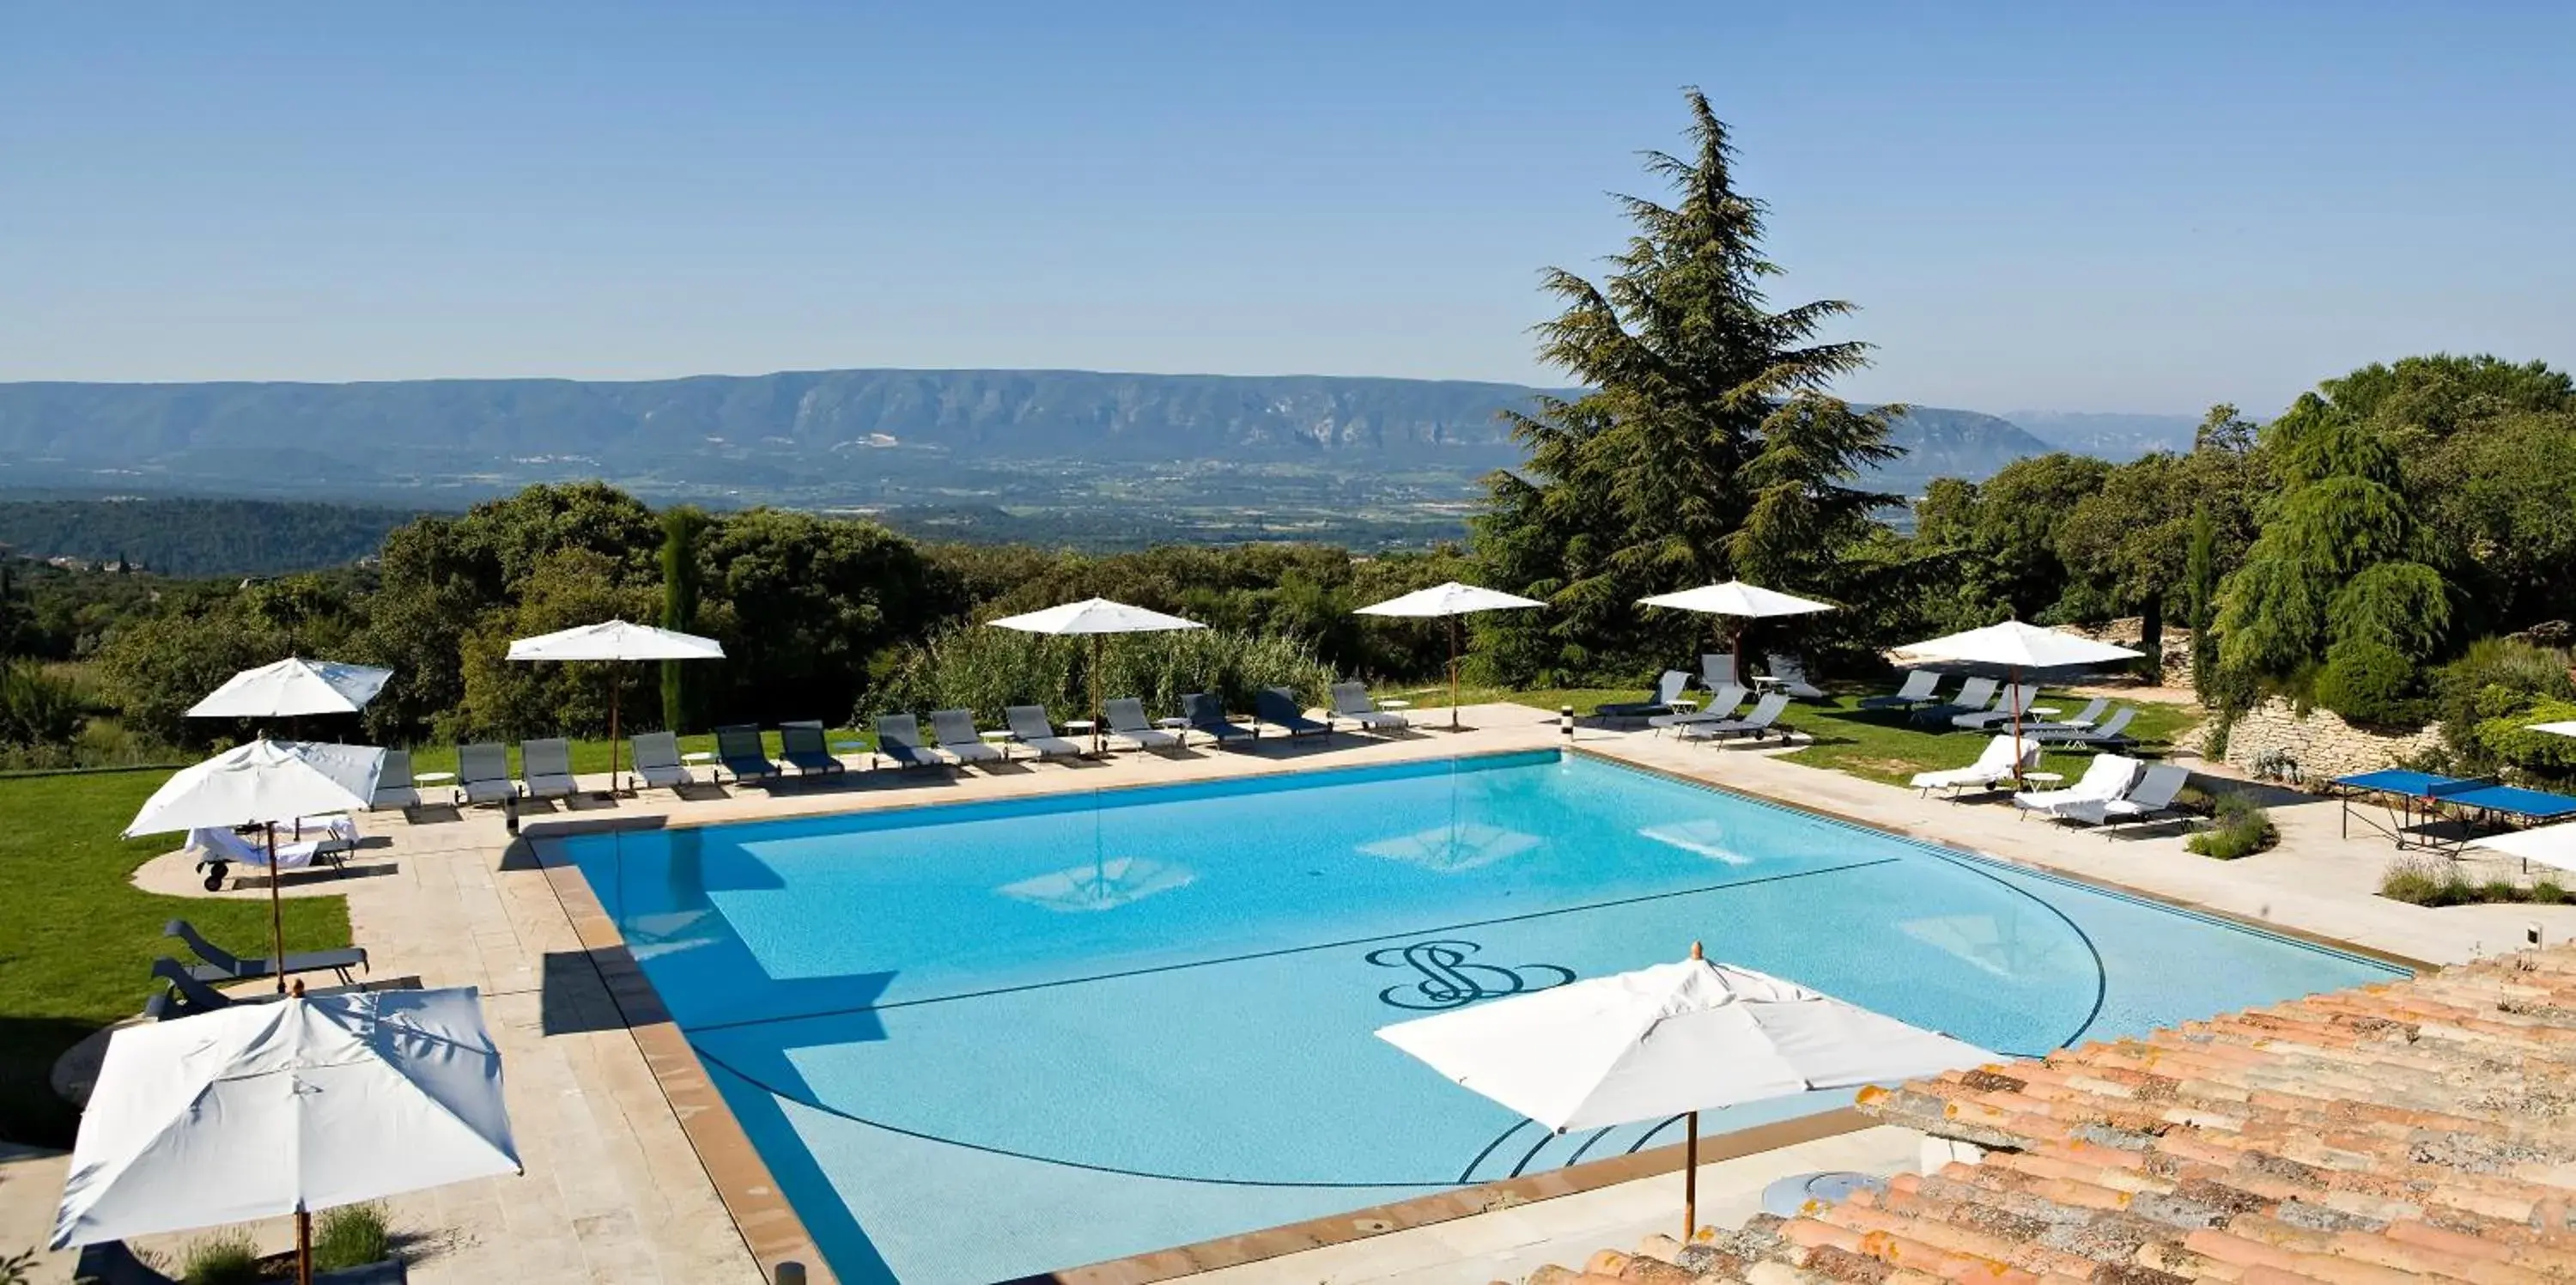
(855, 430)
(2111, 436)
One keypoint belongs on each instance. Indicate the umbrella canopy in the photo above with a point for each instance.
(1451, 599)
(1095, 616)
(2014, 645)
(616, 640)
(262, 783)
(2550, 845)
(294, 686)
(1668, 1040)
(1736, 598)
(2555, 729)
(303, 1104)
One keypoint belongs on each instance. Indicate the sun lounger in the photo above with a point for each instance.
(899, 738)
(1995, 765)
(2084, 719)
(483, 773)
(393, 785)
(545, 769)
(187, 996)
(2106, 778)
(2012, 701)
(1766, 713)
(1351, 701)
(2112, 731)
(2150, 798)
(1128, 726)
(1974, 695)
(1668, 691)
(656, 763)
(740, 755)
(800, 745)
(1717, 669)
(1029, 727)
(220, 849)
(222, 966)
(954, 729)
(1790, 675)
(1723, 701)
(1916, 690)
(1278, 707)
(1205, 713)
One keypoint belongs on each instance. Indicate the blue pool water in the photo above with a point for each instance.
(979, 1041)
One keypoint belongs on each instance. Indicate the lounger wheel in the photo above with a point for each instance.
(215, 872)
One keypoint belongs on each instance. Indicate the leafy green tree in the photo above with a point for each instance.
(804, 605)
(681, 526)
(2331, 599)
(1708, 447)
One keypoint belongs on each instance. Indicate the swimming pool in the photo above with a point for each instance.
(979, 1041)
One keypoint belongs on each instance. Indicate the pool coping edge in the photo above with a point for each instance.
(1438, 1207)
(768, 1224)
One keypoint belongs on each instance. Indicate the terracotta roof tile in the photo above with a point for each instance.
(2422, 1130)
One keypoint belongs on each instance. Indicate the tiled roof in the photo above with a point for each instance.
(2418, 1130)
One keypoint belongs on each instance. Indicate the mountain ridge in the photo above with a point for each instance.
(888, 435)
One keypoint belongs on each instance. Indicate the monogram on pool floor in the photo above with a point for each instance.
(1131, 1019)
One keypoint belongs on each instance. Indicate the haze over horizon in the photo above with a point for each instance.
(2116, 212)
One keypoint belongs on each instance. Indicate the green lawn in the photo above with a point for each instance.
(76, 938)
(1882, 746)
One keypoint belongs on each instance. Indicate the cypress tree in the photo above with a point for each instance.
(681, 526)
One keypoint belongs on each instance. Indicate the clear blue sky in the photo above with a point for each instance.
(2068, 206)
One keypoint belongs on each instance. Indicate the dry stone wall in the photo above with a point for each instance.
(2320, 742)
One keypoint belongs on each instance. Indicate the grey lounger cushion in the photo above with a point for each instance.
(954, 729)
(1128, 724)
(483, 773)
(1029, 727)
(545, 768)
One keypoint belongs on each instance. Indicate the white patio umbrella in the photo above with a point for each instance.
(2550, 845)
(261, 784)
(2555, 729)
(1094, 616)
(263, 1109)
(615, 640)
(1671, 1039)
(294, 686)
(2014, 647)
(1451, 600)
(1736, 598)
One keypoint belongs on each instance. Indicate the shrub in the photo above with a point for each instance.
(351, 1236)
(2426, 881)
(18, 1268)
(224, 1258)
(983, 669)
(2368, 682)
(36, 708)
(2242, 828)
(2493, 691)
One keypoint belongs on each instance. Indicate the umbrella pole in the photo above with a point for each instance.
(1690, 1181)
(1453, 672)
(616, 689)
(303, 1248)
(2014, 696)
(276, 914)
(1096, 716)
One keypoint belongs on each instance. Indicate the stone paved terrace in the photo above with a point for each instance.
(634, 1175)
(2414, 1131)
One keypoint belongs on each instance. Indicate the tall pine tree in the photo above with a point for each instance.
(1708, 448)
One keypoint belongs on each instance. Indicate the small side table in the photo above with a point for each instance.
(699, 756)
(1389, 702)
(431, 778)
(2044, 778)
